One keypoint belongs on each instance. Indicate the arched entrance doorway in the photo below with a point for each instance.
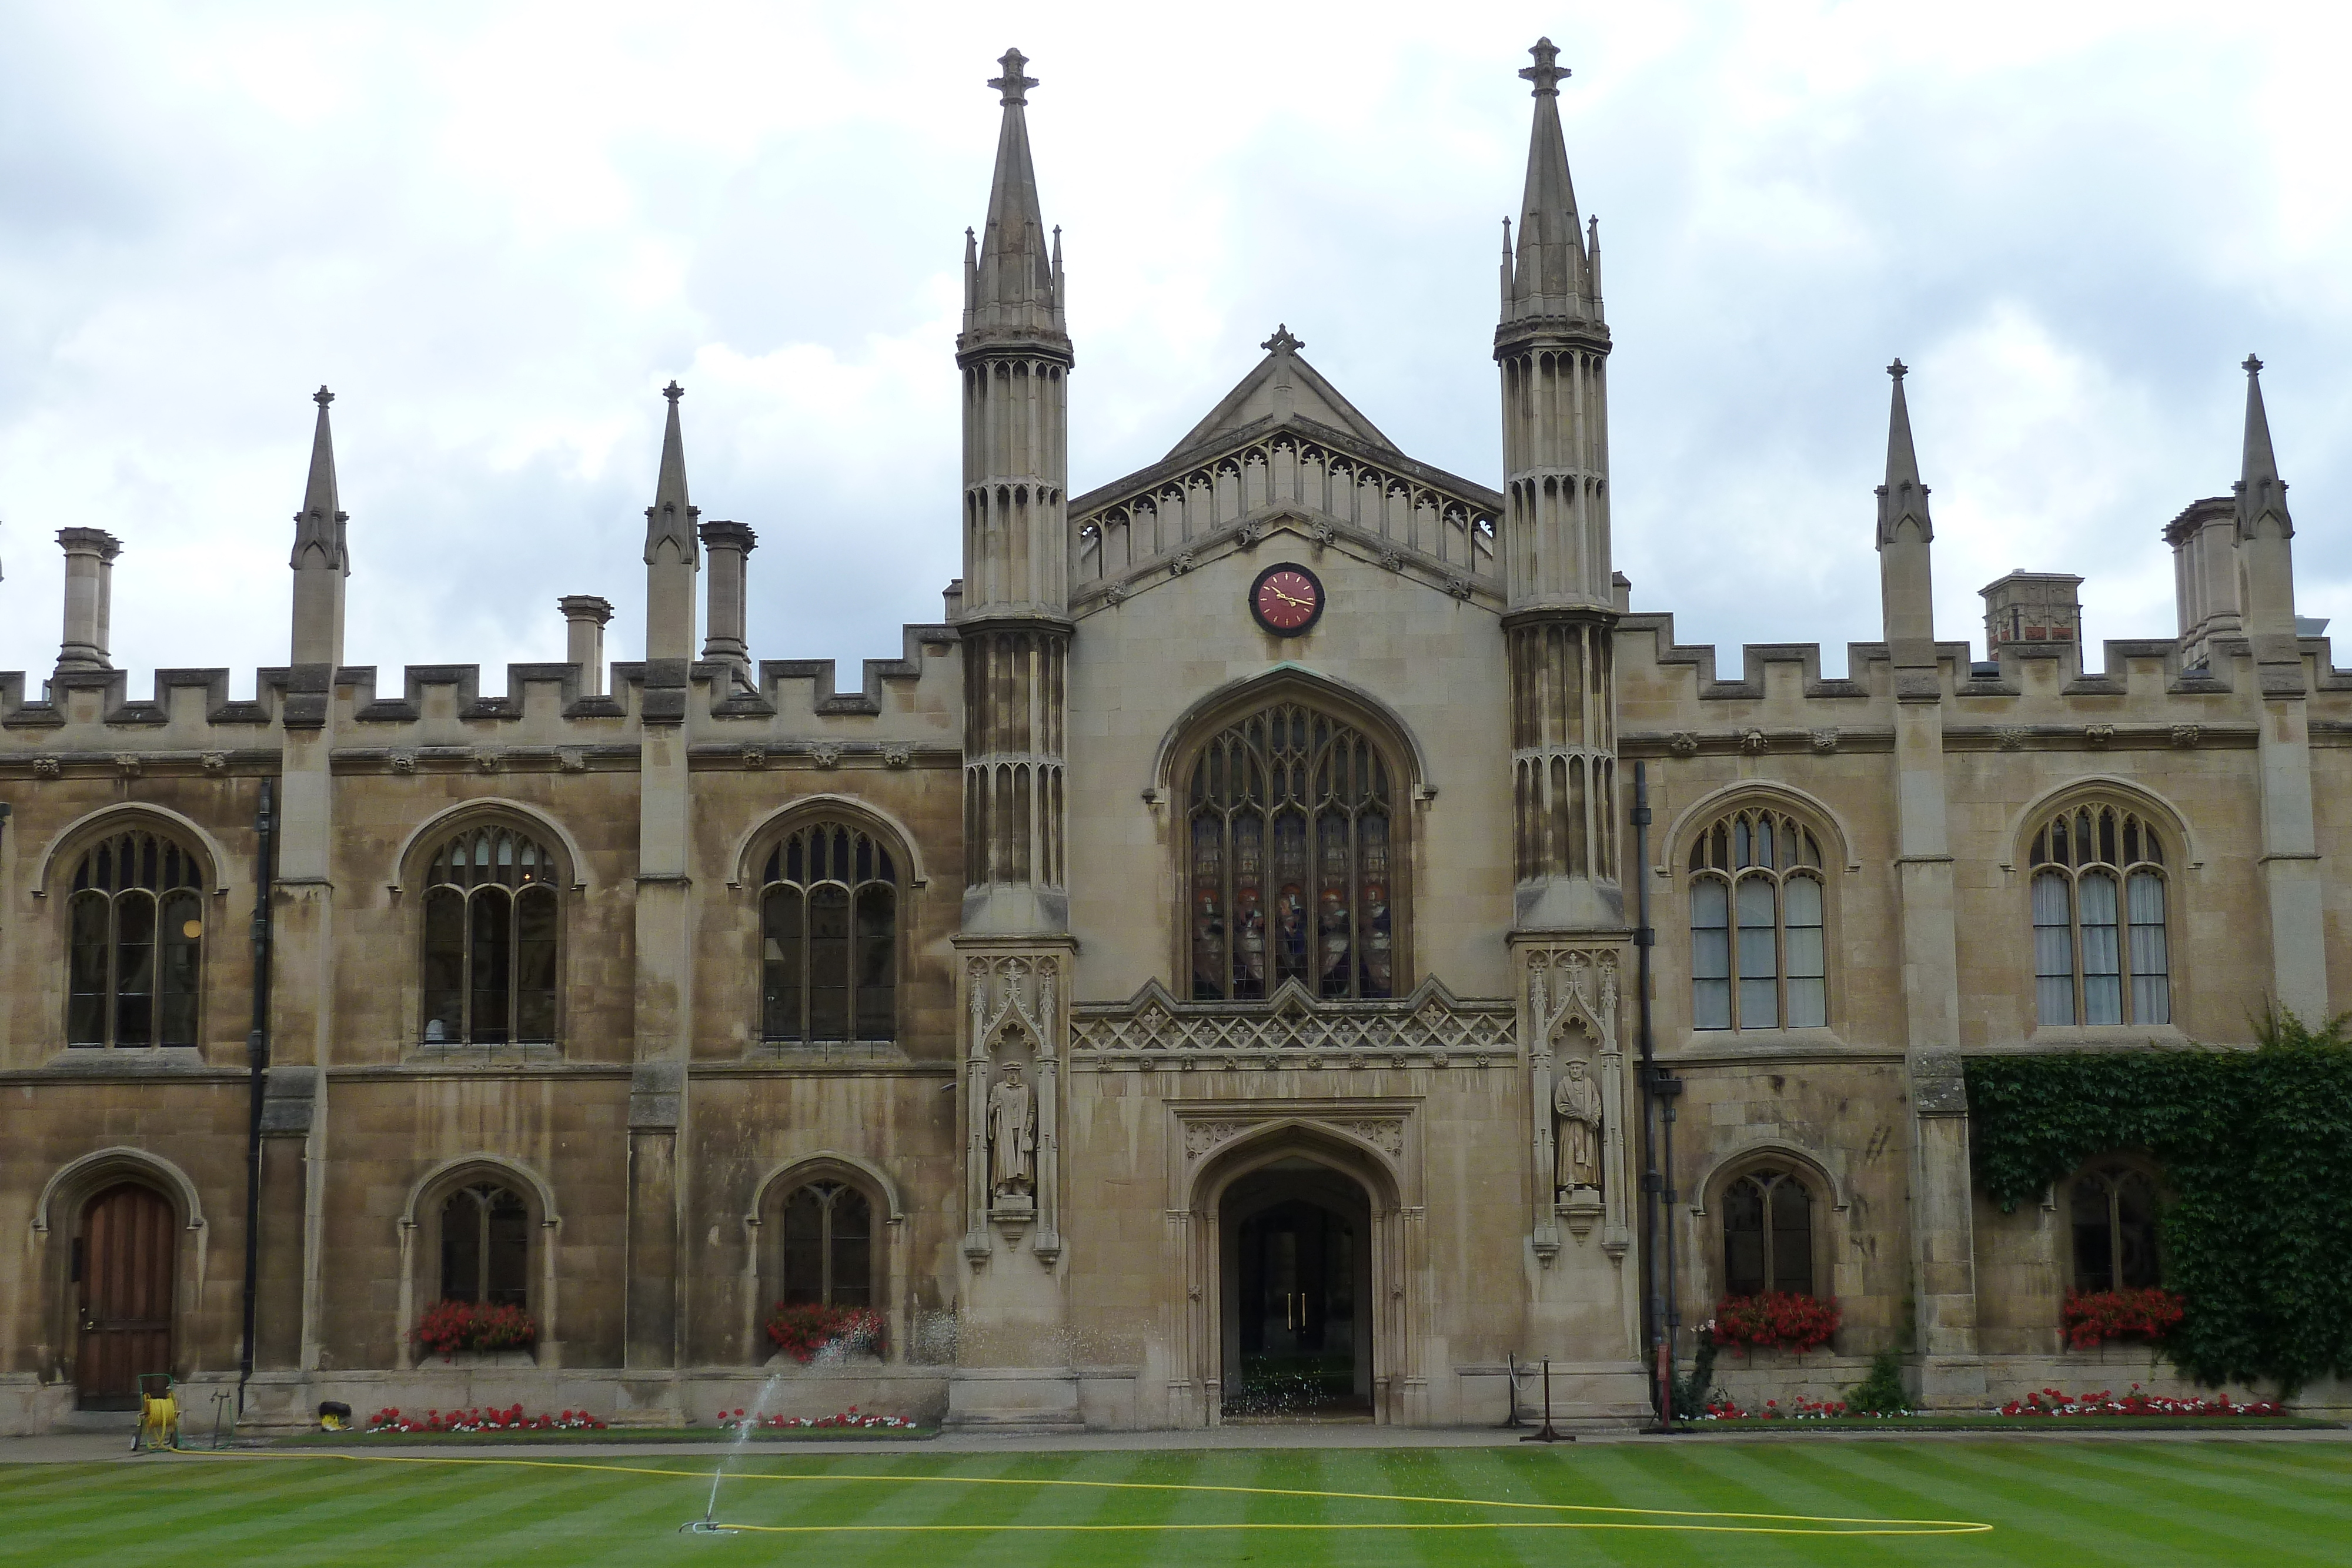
(1296, 1292)
(122, 1258)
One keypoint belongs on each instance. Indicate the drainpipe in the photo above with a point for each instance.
(1653, 1308)
(257, 1051)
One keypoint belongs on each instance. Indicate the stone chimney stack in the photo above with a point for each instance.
(89, 598)
(726, 544)
(2035, 608)
(584, 615)
(2204, 541)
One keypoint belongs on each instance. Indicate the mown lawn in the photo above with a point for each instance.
(2084, 1504)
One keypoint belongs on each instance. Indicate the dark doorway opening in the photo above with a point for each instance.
(123, 1294)
(1297, 1295)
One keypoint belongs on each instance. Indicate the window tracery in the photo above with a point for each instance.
(491, 920)
(829, 937)
(1768, 1233)
(2099, 903)
(1290, 859)
(1759, 959)
(135, 927)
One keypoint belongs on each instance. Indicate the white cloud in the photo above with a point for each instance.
(498, 230)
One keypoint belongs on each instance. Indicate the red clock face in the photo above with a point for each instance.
(1287, 599)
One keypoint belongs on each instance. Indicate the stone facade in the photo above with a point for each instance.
(1110, 1094)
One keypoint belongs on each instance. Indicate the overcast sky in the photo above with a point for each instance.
(496, 230)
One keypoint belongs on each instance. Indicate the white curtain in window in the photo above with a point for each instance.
(1800, 905)
(1760, 956)
(1710, 954)
(2103, 989)
(2053, 951)
(2151, 978)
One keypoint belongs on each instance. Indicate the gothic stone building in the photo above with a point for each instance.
(1201, 970)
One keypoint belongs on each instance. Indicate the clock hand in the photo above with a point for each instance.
(1284, 597)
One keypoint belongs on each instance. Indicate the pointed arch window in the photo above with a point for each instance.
(1768, 1234)
(827, 1246)
(829, 937)
(2101, 918)
(491, 930)
(2112, 1210)
(1291, 872)
(1759, 959)
(134, 945)
(486, 1246)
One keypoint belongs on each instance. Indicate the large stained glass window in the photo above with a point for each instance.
(1290, 859)
(491, 921)
(2099, 950)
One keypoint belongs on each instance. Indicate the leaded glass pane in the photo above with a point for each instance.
(850, 1242)
(2054, 950)
(488, 962)
(2094, 1250)
(2136, 1253)
(1792, 1237)
(507, 1251)
(1759, 958)
(877, 961)
(1800, 898)
(183, 929)
(444, 965)
(86, 968)
(534, 973)
(2103, 997)
(1710, 953)
(1743, 1239)
(134, 969)
(2151, 985)
(828, 970)
(800, 1229)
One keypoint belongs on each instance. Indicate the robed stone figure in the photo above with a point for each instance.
(1012, 1136)
(1576, 1099)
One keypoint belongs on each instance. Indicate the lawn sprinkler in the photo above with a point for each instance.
(1547, 1433)
(159, 1413)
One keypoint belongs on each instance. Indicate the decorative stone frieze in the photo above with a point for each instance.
(2186, 735)
(2012, 737)
(401, 762)
(755, 758)
(1754, 742)
(897, 756)
(1825, 741)
(825, 754)
(2098, 735)
(487, 759)
(129, 765)
(47, 767)
(214, 763)
(1291, 1029)
(1684, 743)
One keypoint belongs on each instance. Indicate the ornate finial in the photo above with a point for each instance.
(323, 397)
(1282, 342)
(1012, 83)
(673, 392)
(1544, 73)
(2252, 366)
(1898, 370)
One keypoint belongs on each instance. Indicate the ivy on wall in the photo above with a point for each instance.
(2256, 1151)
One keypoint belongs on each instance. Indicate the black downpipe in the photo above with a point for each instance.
(257, 1053)
(1653, 1308)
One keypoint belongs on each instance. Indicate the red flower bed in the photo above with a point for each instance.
(448, 1327)
(476, 1419)
(801, 1333)
(2050, 1402)
(736, 1420)
(1777, 1320)
(1798, 1410)
(2092, 1318)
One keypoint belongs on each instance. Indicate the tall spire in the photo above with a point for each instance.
(1012, 282)
(1907, 591)
(1549, 275)
(671, 519)
(321, 558)
(2261, 493)
(319, 526)
(672, 557)
(1902, 498)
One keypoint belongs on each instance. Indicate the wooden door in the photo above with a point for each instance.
(122, 1290)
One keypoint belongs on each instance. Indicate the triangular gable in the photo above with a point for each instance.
(1283, 387)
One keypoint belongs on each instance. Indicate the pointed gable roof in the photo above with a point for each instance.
(1283, 388)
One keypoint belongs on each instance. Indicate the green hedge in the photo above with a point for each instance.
(2256, 1150)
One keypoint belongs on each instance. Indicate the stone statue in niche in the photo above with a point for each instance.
(1012, 1136)
(1575, 1103)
